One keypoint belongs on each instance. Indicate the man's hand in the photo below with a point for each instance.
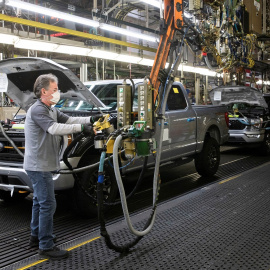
(87, 130)
(95, 118)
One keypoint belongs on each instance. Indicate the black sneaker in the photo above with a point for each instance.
(54, 253)
(34, 242)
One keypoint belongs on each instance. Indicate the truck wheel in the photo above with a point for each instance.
(85, 205)
(207, 161)
(5, 196)
(265, 147)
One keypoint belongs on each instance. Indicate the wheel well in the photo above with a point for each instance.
(82, 147)
(90, 152)
(213, 132)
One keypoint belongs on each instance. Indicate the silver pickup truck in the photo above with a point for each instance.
(249, 118)
(190, 133)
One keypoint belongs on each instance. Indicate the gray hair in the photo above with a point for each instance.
(43, 81)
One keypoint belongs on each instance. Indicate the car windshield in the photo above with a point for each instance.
(107, 93)
(73, 105)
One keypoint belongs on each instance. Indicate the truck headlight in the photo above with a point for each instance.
(256, 123)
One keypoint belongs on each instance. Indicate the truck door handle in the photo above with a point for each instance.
(190, 119)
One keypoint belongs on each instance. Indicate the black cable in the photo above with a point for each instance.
(77, 179)
(103, 231)
(137, 184)
(65, 159)
(68, 149)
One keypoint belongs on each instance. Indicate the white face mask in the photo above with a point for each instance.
(56, 97)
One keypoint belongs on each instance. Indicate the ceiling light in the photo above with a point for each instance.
(8, 39)
(187, 68)
(51, 12)
(206, 72)
(263, 82)
(202, 71)
(72, 50)
(76, 19)
(31, 44)
(125, 32)
(152, 3)
(146, 62)
(103, 54)
(128, 59)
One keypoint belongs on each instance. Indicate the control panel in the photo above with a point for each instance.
(145, 104)
(123, 105)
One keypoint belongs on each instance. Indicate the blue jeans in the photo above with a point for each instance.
(44, 205)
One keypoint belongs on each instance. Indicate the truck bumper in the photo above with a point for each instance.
(12, 178)
(247, 137)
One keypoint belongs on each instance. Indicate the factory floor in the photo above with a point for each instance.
(224, 225)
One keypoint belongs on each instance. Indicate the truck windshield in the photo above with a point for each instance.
(73, 105)
(107, 93)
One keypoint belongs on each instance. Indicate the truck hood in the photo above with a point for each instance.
(22, 73)
(227, 95)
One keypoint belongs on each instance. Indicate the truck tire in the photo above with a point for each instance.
(265, 147)
(85, 205)
(207, 161)
(6, 196)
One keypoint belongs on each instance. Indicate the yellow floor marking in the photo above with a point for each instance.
(40, 261)
(83, 243)
(233, 161)
(229, 179)
(33, 264)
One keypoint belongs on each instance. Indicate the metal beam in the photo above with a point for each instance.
(109, 18)
(106, 13)
(73, 32)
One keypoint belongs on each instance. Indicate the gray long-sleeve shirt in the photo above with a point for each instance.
(43, 127)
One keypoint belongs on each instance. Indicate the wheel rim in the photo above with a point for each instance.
(91, 186)
(212, 157)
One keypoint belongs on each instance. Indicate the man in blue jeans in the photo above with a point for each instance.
(44, 126)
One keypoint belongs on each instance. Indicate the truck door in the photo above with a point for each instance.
(182, 123)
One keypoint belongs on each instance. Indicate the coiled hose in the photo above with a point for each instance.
(122, 192)
(124, 248)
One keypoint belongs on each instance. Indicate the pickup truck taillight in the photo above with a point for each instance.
(227, 118)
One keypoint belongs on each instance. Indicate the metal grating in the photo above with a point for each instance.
(13, 241)
(222, 226)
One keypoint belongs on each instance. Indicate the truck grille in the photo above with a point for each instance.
(11, 157)
(236, 125)
(8, 153)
